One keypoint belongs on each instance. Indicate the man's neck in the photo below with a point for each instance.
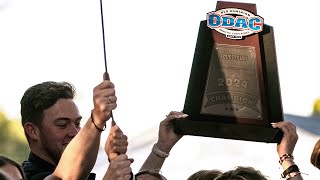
(43, 155)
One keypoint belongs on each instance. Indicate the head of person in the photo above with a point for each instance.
(205, 175)
(9, 169)
(50, 118)
(239, 173)
(242, 173)
(315, 155)
(149, 175)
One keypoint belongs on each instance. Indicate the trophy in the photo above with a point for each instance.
(233, 89)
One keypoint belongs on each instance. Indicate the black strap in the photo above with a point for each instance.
(293, 168)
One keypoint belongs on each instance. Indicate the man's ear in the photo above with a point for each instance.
(32, 131)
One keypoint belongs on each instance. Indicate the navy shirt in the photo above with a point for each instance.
(36, 168)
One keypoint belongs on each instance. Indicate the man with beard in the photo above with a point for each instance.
(51, 120)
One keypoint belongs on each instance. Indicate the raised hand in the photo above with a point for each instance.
(116, 143)
(104, 100)
(289, 139)
(119, 168)
(167, 137)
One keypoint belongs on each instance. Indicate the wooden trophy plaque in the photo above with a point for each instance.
(233, 89)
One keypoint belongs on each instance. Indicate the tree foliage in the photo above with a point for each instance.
(316, 107)
(13, 143)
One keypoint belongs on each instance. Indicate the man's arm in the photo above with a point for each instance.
(285, 149)
(80, 155)
(167, 138)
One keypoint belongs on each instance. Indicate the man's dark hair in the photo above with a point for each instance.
(205, 175)
(42, 96)
(315, 155)
(239, 173)
(243, 173)
(3, 177)
(4, 161)
(154, 173)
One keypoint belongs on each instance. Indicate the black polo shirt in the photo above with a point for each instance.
(36, 168)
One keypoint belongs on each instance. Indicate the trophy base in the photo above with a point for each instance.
(228, 131)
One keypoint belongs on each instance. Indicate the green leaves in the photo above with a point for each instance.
(13, 143)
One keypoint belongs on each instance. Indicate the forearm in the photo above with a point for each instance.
(153, 162)
(80, 155)
(166, 140)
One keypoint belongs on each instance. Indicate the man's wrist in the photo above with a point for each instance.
(100, 126)
(163, 147)
(284, 152)
(287, 163)
(159, 152)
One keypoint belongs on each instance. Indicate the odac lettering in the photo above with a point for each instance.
(254, 23)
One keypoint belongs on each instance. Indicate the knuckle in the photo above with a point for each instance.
(111, 84)
(112, 91)
(95, 89)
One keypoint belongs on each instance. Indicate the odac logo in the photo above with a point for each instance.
(234, 23)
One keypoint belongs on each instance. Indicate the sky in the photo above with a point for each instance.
(150, 47)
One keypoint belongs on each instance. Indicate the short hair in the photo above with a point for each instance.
(239, 173)
(154, 173)
(3, 177)
(4, 161)
(42, 96)
(242, 173)
(315, 155)
(205, 175)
